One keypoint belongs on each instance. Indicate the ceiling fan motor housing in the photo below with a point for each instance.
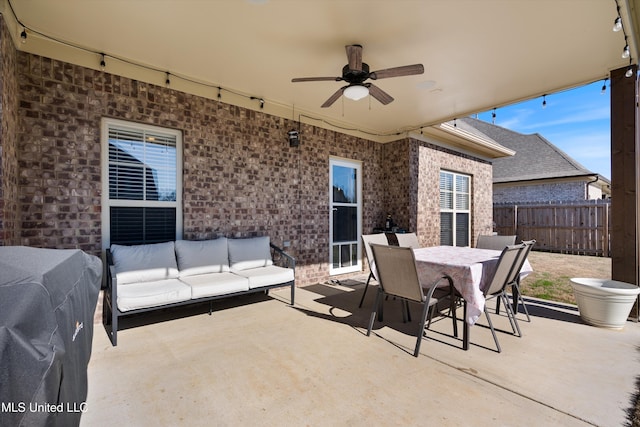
(355, 76)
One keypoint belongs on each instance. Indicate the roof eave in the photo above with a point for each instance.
(468, 140)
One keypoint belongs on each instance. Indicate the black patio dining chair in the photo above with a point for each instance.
(494, 241)
(367, 240)
(408, 240)
(515, 283)
(398, 277)
(503, 276)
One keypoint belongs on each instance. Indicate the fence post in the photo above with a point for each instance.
(605, 244)
(515, 220)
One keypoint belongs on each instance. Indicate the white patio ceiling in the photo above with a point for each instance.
(477, 54)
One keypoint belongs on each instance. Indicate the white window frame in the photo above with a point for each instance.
(107, 203)
(455, 210)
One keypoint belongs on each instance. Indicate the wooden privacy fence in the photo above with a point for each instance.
(571, 228)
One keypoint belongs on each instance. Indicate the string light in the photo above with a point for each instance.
(544, 101)
(618, 25)
(604, 86)
(455, 124)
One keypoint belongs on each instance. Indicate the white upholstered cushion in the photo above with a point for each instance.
(152, 294)
(266, 276)
(249, 253)
(144, 263)
(205, 285)
(201, 257)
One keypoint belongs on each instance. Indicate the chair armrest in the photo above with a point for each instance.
(282, 255)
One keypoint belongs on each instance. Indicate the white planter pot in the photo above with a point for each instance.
(604, 303)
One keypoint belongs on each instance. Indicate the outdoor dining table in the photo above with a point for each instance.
(471, 270)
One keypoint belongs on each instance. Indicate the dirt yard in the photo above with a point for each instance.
(552, 271)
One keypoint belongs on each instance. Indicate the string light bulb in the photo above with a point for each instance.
(493, 116)
(544, 101)
(167, 82)
(23, 35)
(629, 72)
(617, 24)
(604, 87)
(103, 64)
(625, 52)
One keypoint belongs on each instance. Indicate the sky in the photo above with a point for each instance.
(578, 121)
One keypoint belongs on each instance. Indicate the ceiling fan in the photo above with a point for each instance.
(357, 72)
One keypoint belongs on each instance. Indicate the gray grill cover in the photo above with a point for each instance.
(47, 302)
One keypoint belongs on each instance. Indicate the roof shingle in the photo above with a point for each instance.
(535, 158)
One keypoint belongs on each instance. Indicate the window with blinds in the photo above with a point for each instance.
(141, 183)
(455, 209)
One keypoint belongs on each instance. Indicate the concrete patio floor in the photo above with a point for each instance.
(259, 361)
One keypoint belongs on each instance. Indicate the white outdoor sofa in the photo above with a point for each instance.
(148, 277)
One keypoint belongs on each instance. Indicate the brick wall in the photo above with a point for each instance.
(398, 184)
(432, 159)
(9, 213)
(548, 192)
(411, 184)
(240, 177)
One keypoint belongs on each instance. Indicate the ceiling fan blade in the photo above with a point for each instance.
(316, 79)
(333, 98)
(407, 70)
(354, 55)
(380, 95)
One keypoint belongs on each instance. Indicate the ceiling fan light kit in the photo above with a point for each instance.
(356, 73)
(355, 92)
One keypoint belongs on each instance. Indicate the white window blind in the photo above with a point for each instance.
(455, 205)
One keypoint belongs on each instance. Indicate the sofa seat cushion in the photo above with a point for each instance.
(152, 294)
(212, 284)
(267, 276)
(202, 256)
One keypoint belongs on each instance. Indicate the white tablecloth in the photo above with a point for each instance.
(470, 268)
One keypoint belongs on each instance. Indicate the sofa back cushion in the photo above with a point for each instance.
(249, 253)
(202, 256)
(144, 263)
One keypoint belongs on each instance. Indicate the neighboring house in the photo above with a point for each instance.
(222, 170)
(539, 171)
